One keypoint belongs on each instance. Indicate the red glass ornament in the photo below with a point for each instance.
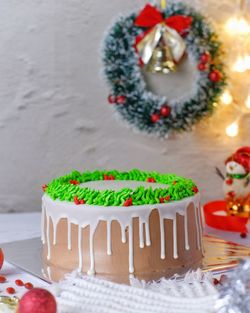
(215, 76)
(111, 99)
(10, 290)
(195, 189)
(202, 67)
(205, 57)
(19, 282)
(120, 99)
(74, 182)
(161, 200)
(1, 258)
(155, 118)
(37, 300)
(44, 187)
(165, 111)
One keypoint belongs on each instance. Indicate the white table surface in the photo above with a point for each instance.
(15, 227)
(22, 226)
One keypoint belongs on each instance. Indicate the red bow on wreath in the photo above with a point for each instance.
(163, 41)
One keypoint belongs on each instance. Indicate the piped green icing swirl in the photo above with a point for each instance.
(64, 189)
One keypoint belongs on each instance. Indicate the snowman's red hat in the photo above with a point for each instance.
(241, 156)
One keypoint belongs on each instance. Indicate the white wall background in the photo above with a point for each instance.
(53, 111)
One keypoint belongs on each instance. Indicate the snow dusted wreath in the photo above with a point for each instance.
(150, 112)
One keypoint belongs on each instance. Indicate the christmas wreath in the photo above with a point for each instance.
(131, 43)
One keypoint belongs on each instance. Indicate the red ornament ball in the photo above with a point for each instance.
(155, 118)
(2, 279)
(111, 99)
(120, 99)
(37, 300)
(215, 76)
(1, 258)
(205, 57)
(165, 111)
(202, 67)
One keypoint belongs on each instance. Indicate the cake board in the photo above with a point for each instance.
(220, 256)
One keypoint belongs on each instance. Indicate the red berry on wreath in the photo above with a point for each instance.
(202, 67)
(1, 258)
(111, 99)
(155, 118)
(205, 57)
(215, 76)
(165, 111)
(120, 99)
(37, 300)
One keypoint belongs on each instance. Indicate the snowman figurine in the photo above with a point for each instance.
(236, 184)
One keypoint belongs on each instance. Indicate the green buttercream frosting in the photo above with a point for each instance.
(68, 188)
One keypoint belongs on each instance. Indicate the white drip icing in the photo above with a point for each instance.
(175, 253)
(109, 249)
(147, 232)
(80, 248)
(131, 247)
(48, 239)
(141, 234)
(187, 247)
(56, 210)
(42, 224)
(197, 227)
(69, 235)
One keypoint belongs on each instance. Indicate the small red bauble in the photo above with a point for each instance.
(161, 200)
(2, 279)
(76, 200)
(167, 198)
(128, 202)
(28, 286)
(19, 282)
(202, 67)
(120, 99)
(216, 281)
(155, 118)
(1, 258)
(111, 99)
(165, 111)
(205, 57)
(44, 187)
(229, 181)
(74, 182)
(10, 290)
(215, 76)
(37, 300)
(195, 189)
(150, 180)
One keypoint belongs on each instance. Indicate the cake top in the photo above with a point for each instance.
(114, 188)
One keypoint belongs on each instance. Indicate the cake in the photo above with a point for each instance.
(116, 224)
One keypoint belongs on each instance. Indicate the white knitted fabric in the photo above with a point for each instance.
(194, 294)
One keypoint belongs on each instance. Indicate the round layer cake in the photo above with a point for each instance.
(116, 224)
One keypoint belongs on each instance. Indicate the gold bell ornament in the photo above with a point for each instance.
(161, 47)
